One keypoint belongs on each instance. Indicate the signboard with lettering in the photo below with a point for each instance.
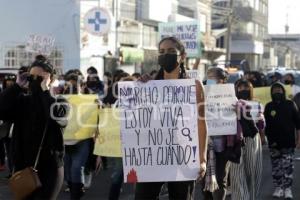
(40, 44)
(187, 32)
(159, 130)
(220, 112)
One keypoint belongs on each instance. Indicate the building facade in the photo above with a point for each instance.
(134, 41)
(56, 18)
(287, 49)
(249, 29)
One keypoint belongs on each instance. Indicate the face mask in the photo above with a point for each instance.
(287, 82)
(245, 95)
(278, 97)
(92, 84)
(211, 82)
(168, 62)
(35, 84)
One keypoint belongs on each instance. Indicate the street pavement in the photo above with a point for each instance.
(100, 187)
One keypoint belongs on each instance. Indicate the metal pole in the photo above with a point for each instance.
(228, 37)
(116, 3)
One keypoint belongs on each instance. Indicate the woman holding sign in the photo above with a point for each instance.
(171, 60)
(245, 176)
(218, 145)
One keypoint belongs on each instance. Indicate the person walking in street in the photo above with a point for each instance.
(217, 75)
(171, 60)
(282, 121)
(77, 151)
(32, 115)
(245, 176)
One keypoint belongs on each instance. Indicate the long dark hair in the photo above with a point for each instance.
(180, 47)
(245, 83)
(42, 62)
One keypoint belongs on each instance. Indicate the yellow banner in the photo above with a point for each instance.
(108, 142)
(82, 121)
(263, 94)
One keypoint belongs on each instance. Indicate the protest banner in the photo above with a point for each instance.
(82, 121)
(193, 74)
(187, 32)
(40, 44)
(108, 142)
(220, 114)
(263, 94)
(159, 130)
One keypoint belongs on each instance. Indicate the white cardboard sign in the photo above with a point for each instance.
(41, 44)
(193, 74)
(187, 32)
(159, 130)
(220, 114)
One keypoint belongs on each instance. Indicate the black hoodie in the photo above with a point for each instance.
(29, 114)
(282, 120)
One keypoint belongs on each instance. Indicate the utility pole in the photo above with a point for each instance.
(116, 8)
(228, 37)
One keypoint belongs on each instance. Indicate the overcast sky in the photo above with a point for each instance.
(278, 10)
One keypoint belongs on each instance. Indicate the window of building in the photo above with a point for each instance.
(56, 59)
(127, 9)
(10, 58)
(16, 56)
(203, 20)
(265, 9)
(150, 37)
(221, 42)
(251, 3)
(257, 5)
(250, 28)
(261, 6)
(186, 12)
(256, 30)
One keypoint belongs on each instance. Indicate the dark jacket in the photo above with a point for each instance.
(29, 114)
(282, 120)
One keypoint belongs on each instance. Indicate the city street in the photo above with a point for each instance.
(172, 88)
(99, 190)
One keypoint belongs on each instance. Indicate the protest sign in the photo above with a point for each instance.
(193, 74)
(256, 110)
(108, 142)
(40, 44)
(159, 130)
(220, 115)
(82, 121)
(263, 94)
(295, 90)
(187, 32)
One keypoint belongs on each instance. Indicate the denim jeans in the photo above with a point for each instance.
(75, 160)
(117, 180)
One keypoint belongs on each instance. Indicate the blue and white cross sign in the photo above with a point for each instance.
(97, 21)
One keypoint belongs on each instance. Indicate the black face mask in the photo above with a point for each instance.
(278, 97)
(288, 82)
(92, 84)
(168, 62)
(244, 94)
(35, 84)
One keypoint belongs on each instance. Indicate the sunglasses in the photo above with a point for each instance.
(35, 78)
